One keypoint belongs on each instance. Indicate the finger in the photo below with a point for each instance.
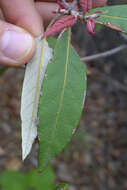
(1, 15)
(99, 3)
(16, 45)
(46, 11)
(46, 1)
(51, 1)
(23, 13)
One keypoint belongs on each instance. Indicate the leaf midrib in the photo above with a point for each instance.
(37, 90)
(114, 17)
(64, 84)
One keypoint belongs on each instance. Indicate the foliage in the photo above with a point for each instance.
(14, 180)
(3, 70)
(63, 93)
(61, 102)
(114, 17)
(61, 187)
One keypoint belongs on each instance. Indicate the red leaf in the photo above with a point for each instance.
(61, 5)
(86, 5)
(90, 25)
(64, 22)
(99, 3)
(89, 4)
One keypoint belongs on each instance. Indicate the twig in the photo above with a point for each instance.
(124, 36)
(104, 54)
(116, 84)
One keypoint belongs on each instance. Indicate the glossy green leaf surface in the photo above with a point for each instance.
(62, 100)
(116, 15)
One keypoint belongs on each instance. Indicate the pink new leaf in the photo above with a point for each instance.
(64, 22)
(98, 3)
(86, 5)
(90, 25)
(61, 5)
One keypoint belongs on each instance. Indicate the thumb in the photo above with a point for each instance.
(17, 46)
(99, 3)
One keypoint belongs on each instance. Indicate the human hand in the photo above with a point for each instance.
(20, 22)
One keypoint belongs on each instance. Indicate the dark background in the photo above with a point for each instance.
(96, 158)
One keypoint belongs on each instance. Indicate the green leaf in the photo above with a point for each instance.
(61, 187)
(3, 70)
(61, 102)
(39, 181)
(98, 27)
(51, 42)
(13, 180)
(116, 15)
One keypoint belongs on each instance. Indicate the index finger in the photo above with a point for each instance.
(23, 13)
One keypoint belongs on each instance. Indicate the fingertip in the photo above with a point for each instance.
(33, 25)
(46, 10)
(24, 14)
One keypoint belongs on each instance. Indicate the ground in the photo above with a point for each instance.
(96, 157)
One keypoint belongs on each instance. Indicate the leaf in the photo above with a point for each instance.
(34, 74)
(3, 70)
(40, 181)
(63, 22)
(51, 42)
(61, 187)
(13, 180)
(61, 102)
(113, 15)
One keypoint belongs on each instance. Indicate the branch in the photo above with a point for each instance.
(104, 54)
(112, 81)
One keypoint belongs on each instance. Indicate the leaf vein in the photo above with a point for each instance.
(37, 89)
(64, 83)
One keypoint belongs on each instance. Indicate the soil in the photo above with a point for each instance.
(96, 158)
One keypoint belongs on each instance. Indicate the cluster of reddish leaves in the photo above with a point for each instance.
(63, 22)
(69, 20)
(86, 5)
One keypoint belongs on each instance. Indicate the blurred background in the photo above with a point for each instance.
(96, 158)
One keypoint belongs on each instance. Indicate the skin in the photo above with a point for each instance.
(24, 17)
(20, 22)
